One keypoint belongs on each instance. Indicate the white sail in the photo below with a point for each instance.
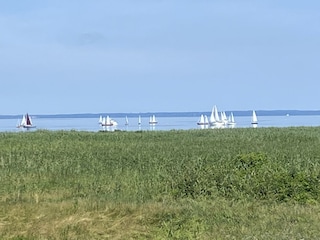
(18, 124)
(212, 119)
(206, 120)
(216, 114)
(100, 120)
(23, 121)
(139, 120)
(224, 119)
(232, 118)
(127, 121)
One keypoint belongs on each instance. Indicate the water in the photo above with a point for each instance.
(165, 122)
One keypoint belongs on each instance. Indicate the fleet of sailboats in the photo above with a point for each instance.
(109, 122)
(216, 120)
(220, 120)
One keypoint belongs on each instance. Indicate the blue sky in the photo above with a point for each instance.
(81, 56)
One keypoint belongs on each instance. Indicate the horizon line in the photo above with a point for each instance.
(154, 112)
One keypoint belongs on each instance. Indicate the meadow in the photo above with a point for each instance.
(240, 183)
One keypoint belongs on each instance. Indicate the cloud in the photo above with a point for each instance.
(91, 38)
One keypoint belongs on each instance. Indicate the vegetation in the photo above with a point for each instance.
(198, 184)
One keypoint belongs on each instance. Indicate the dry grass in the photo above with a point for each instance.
(65, 221)
(186, 219)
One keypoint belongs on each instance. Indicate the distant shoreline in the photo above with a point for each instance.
(167, 114)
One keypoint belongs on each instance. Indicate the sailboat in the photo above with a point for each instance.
(139, 120)
(203, 120)
(108, 122)
(231, 120)
(254, 120)
(212, 119)
(26, 122)
(218, 122)
(153, 120)
(100, 120)
(206, 120)
(224, 118)
(127, 121)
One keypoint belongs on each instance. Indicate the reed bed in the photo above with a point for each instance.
(197, 184)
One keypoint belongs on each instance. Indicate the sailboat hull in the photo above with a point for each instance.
(28, 126)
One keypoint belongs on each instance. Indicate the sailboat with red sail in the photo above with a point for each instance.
(26, 122)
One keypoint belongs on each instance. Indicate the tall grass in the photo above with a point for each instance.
(218, 183)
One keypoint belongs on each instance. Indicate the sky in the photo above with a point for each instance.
(106, 56)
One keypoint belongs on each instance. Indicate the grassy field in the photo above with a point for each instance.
(241, 183)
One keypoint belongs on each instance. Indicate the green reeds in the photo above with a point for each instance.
(195, 184)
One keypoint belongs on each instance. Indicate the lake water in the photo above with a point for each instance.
(165, 123)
